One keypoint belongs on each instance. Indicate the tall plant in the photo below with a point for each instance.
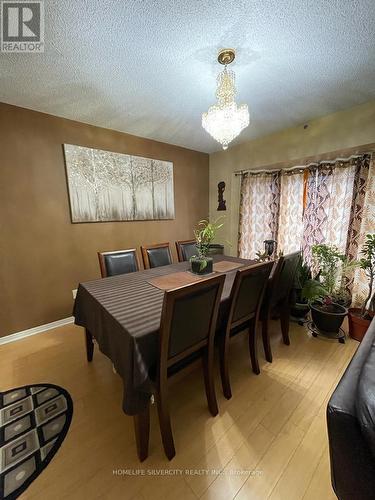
(329, 262)
(205, 234)
(329, 265)
(367, 263)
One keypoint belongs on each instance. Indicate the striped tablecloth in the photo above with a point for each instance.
(123, 314)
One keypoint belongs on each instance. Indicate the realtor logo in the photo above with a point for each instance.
(22, 26)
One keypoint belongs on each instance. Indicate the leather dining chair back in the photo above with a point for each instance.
(156, 255)
(277, 298)
(283, 280)
(118, 262)
(187, 327)
(186, 249)
(245, 301)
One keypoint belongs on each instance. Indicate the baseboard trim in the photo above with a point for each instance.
(34, 331)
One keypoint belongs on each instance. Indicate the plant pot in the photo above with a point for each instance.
(328, 321)
(358, 325)
(201, 265)
(299, 307)
(300, 310)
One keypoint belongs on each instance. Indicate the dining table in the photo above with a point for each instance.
(122, 315)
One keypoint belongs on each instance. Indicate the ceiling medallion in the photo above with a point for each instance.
(225, 120)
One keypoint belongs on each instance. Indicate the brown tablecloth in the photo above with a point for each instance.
(123, 314)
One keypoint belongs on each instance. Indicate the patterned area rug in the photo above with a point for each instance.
(34, 421)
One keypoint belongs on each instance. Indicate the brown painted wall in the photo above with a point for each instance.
(42, 255)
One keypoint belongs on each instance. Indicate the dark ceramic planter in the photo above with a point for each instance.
(300, 310)
(328, 321)
(201, 266)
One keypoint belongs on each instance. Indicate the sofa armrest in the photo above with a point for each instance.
(352, 464)
(349, 418)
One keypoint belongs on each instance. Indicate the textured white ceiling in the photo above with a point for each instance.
(148, 67)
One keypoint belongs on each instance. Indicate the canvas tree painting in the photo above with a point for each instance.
(105, 186)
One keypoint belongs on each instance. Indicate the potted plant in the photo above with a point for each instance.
(300, 307)
(324, 292)
(360, 318)
(202, 263)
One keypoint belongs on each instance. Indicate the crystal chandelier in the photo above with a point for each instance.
(225, 120)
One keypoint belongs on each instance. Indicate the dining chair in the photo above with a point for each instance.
(244, 306)
(277, 299)
(118, 262)
(187, 328)
(156, 255)
(185, 249)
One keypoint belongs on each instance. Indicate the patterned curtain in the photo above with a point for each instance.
(315, 216)
(362, 221)
(259, 212)
(328, 208)
(358, 202)
(333, 203)
(340, 200)
(291, 212)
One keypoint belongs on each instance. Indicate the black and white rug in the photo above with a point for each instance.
(34, 421)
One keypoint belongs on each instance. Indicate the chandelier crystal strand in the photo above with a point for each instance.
(225, 120)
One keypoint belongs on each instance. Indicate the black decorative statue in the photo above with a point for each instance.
(220, 193)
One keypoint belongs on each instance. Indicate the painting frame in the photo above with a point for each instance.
(159, 185)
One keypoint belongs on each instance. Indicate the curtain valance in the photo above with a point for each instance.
(295, 169)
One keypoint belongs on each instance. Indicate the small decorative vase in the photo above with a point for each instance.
(202, 265)
(269, 247)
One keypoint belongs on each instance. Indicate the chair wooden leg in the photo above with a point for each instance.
(284, 320)
(208, 370)
(165, 423)
(253, 346)
(142, 432)
(266, 340)
(224, 368)
(89, 345)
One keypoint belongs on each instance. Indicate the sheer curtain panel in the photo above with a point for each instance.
(259, 212)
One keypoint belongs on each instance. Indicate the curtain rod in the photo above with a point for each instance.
(296, 168)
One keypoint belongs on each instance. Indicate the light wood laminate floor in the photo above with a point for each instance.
(268, 441)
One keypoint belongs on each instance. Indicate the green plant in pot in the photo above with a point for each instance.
(360, 318)
(300, 307)
(324, 292)
(202, 263)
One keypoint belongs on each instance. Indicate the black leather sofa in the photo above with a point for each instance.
(351, 426)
